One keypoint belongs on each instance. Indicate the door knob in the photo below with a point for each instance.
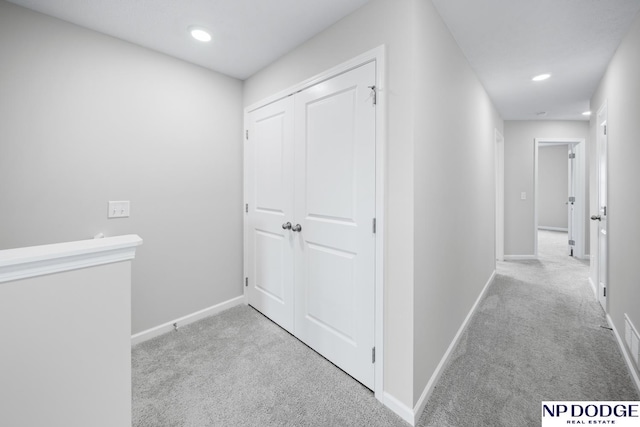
(596, 218)
(286, 226)
(297, 228)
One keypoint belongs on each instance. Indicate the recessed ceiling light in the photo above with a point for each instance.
(200, 34)
(541, 77)
(586, 113)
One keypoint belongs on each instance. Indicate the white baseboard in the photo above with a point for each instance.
(405, 412)
(519, 257)
(627, 357)
(185, 320)
(543, 227)
(593, 288)
(422, 401)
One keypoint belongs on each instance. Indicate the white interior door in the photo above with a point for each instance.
(335, 209)
(269, 186)
(571, 221)
(601, 217)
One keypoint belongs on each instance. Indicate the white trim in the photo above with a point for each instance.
(519, 257)
(399, 408)
(535, 198)
(376, 55)
(381, 160)
(499, 196)
(579, 145)
(34, 261)
(627, 358)
(422, 401)
(185, 320)
(543, 227)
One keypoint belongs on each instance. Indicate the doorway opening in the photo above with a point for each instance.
(560, 193)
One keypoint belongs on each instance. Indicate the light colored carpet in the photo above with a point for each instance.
(536, 336)
(240, 369)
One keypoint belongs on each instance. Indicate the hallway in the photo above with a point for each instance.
(538, 335)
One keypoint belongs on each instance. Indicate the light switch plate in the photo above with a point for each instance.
(523, 196)
(119, 209)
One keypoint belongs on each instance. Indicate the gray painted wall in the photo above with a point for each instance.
(440, 128)
(553, 183)
(454, 190)
(86, 118)
(519, 139)
(620, 88)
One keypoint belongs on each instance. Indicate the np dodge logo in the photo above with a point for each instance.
(619, 414)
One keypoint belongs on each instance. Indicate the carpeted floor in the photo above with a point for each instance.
(536, 336)
(240, 369)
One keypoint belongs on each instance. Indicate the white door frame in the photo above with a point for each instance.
(580, 207)
(499, 175)
(376, 55)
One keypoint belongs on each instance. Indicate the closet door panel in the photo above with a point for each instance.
(269, 181)
(335, 207)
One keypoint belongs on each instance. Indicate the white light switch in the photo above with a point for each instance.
(120, 209)
(523, 196)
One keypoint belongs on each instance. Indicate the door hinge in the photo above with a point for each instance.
(246, 134)
(572, 242)
(605, 129)
(373, 355)
(374, 93)
(604, 292)
(572, 155)
(604, 211)
(246, 207)
(374, 226)
(246, 282)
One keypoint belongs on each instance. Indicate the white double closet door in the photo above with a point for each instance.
(310, 186)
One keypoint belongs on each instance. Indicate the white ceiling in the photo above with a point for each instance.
(248, 34)
(506, 41)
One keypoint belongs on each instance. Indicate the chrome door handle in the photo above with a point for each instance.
(297, 228)
(596, 218)
(286, 226)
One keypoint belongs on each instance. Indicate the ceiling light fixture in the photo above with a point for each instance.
(200, 34)
(541, 77)
(586, 113)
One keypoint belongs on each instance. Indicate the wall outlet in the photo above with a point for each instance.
(523, 196)
(120, 209)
